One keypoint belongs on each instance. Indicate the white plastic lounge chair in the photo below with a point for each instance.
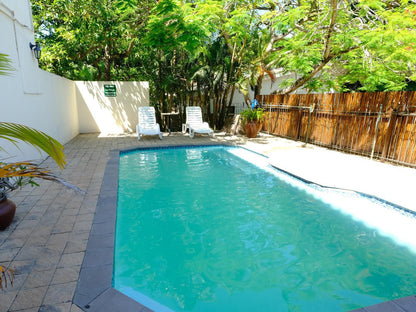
(147, 122)
(194, 122)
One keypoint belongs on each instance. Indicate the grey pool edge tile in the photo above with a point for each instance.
(408, 304)
(112, 300)
(387, 306)
(96, 272)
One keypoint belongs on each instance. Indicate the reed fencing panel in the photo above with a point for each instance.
(381, 125)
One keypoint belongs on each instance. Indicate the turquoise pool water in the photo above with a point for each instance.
(216, 229)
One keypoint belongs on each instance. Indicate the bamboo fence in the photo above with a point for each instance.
(380, 125)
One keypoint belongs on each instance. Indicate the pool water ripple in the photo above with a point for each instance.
(201, 229)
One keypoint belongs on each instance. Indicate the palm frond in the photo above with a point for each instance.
(30, 170)
(5, 64)
(6, 274)
(14, 132)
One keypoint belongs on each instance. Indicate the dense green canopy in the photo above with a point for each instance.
(201, 51)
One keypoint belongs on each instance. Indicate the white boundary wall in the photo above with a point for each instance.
(28, 95)
(55, 105)
(110, 115)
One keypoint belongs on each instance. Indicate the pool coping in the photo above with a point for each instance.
(94, 291)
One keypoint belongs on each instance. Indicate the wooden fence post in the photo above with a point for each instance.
(387, 139)
(277, 113)
(310, 111)
(380, 111)
(299, 125)
(270, 115)
(336, 119)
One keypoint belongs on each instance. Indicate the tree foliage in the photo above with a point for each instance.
(330, 43)
(92, 39)
(5, 64)
(199, 53)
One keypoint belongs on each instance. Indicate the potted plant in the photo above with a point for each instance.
(17, 174)
(252, 121)
(13, 175)
(7, 207)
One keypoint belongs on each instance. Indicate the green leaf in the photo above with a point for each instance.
(13, 132)
(5, 64)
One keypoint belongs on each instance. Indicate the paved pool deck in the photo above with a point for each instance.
(47, 241)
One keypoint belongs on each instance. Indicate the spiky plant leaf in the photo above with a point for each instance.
(14, 132)
(5, 64)
(6, 274)
(28, 170)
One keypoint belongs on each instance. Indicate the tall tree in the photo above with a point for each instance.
(179, 36)
(329, 43)
(200, 52)
(91, 39)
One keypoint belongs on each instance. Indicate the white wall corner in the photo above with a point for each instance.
(101, 111)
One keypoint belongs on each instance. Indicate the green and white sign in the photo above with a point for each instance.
(110, 90)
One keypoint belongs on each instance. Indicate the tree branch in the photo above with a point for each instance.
(334, 12)
(303, 80)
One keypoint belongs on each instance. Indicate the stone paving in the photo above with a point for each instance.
(46, 242)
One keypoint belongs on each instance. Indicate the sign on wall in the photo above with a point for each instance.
(110, 90)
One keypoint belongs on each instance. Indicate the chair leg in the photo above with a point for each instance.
(191, 133)
(160, 135)
(183, 128)
(138, 134)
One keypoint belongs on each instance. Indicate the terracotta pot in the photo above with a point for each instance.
(7, 210)
(251, 129)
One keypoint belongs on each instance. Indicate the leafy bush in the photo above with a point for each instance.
(250, 115)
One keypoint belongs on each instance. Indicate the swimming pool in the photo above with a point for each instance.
(217, 229)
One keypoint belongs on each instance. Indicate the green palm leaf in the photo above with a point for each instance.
(5, 66)
(5, 274)
(15, 132)
(23, 172)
